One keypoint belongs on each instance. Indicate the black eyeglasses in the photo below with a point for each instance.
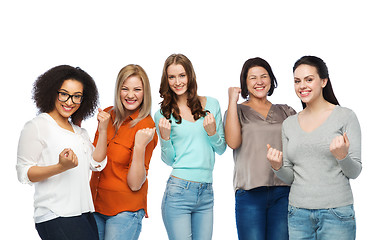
(76, 98)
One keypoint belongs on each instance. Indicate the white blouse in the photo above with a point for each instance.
(66, 194)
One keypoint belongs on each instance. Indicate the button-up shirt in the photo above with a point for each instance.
(66, 194)
(110, 191)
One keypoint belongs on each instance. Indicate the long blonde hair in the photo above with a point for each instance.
(145, 107)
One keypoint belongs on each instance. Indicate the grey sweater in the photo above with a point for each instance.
(318, 179)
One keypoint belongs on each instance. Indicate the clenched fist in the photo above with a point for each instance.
(209, 124)
(234, 94)
(144, 136)
(68, 159)
(164, 128)
(339, 146)
(275, 157)
(103, 119)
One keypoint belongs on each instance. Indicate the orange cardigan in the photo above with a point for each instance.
(110, 191)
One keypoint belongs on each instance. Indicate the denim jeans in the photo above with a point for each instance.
(261, 213)
(187, 209)
(322, 224)
(125, 225)
(81, 227)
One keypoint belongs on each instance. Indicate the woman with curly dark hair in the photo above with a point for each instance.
(191, 132)
(55, 154)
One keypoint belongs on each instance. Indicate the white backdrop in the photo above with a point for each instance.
(218, 36)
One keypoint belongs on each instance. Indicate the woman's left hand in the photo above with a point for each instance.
(209, 124)
(103, 119)
(339, 147)
(144, 136)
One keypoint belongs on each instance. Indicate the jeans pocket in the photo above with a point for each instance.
(139, 214)
(240, 192)
(174, 190)
(291, 210)
(345, 213)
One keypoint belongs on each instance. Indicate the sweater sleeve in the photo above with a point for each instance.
(351, 165)
(217, 140)
(167, 149)
(286, 172)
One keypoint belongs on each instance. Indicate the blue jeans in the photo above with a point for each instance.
(125, 225)
(81, 227)
(187, 209)
(333, 223)
(261, 213)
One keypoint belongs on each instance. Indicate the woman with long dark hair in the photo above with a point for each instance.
(321, 153)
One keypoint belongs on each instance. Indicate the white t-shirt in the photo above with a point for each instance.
(66, 194)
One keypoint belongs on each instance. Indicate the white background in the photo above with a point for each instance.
(217, 36)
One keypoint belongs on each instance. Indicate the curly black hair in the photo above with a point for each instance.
(46, 86)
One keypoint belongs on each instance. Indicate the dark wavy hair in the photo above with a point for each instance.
(169, 104)
(323, 73)
(256, 62)
(46, 86)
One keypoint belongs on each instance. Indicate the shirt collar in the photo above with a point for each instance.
(132, 116)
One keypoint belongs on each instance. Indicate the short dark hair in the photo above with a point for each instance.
(256, 62)
(45, 89)
(323, 73)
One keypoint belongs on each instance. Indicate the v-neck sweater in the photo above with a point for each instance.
(318, 180)
(251, 167)
(190, 151)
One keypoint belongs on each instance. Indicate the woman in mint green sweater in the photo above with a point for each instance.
(191, 132)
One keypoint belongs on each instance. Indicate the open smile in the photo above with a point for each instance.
(179, 87)
(304, 93)
(67, 108)
(130, 101)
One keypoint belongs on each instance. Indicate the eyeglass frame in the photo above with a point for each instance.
(69, 96)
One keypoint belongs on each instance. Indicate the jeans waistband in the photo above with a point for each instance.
(188, 184)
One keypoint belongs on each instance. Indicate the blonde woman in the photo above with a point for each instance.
(120, 190)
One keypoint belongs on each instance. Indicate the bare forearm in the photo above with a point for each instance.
(100, 151)
(38, 173)
(137, 173)
(233, 134)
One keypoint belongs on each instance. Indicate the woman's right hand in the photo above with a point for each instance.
(275, 157)
(103, 119)
(234, 94)
(68, 159)
(164, 129)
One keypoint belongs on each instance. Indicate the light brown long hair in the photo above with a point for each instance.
(145, 108)
(169, 104)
